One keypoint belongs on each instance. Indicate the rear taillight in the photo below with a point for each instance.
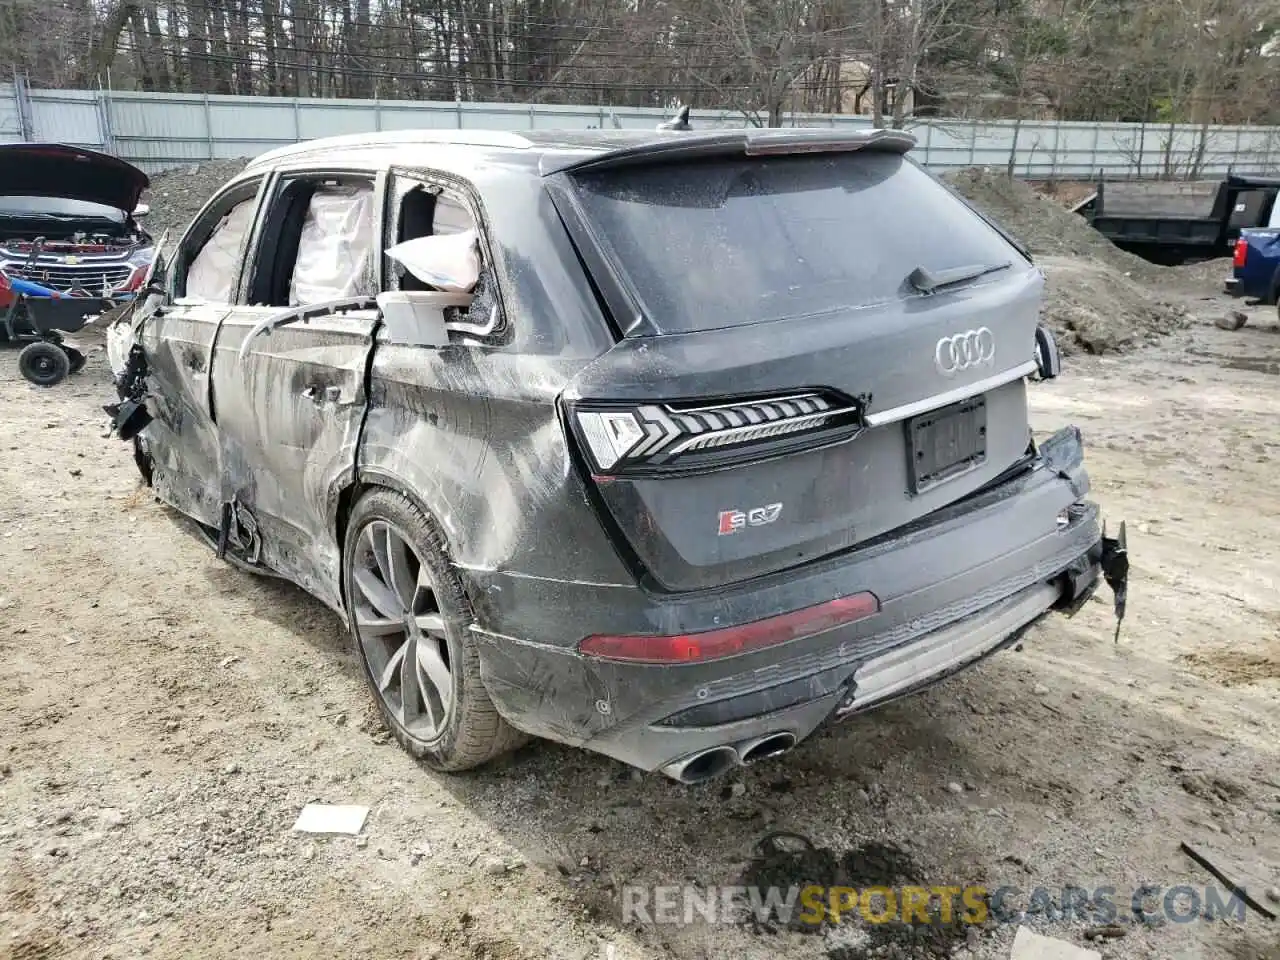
(1241, 253)
(659, 438)
(732, 641)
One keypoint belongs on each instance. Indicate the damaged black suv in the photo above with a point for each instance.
(671, 445)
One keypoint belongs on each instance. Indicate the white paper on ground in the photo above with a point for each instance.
(331, 818)
(1033, 946)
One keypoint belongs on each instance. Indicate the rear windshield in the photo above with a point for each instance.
(729, 242)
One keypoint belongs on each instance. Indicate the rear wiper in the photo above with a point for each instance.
(928, 282)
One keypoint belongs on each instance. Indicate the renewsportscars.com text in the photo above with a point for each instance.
(815, 905)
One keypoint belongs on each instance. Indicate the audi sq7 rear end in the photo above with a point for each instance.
(727, 441)
(809, 447)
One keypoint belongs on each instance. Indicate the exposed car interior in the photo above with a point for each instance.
(211, 271)
(417, 219)
(425, 213)
(454, 267)
(322, 233)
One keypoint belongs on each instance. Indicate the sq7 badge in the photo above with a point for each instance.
(731, 521)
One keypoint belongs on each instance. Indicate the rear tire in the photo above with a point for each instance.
(419, 658)
(44, 364)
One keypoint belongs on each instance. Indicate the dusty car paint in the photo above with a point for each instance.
(267, 438)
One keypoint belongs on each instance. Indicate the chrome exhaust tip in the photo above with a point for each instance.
(702, 766)
(774, 745)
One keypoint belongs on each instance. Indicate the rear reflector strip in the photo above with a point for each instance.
(732, 641)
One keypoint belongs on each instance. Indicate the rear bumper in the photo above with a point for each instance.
(953, 588)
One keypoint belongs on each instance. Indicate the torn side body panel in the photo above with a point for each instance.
(183, 438)
(475, 437)
(289, 406)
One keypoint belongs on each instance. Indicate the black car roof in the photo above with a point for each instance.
(550, 151)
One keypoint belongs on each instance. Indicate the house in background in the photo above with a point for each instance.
(960, 96)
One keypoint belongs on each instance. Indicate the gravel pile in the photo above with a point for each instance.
(1100, 298)
(1043, 225)
(1094, 308)
(1206, 275)
(177, 195)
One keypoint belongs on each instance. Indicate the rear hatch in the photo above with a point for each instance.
(814, 349)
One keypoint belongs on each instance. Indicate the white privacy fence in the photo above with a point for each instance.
(163, 130)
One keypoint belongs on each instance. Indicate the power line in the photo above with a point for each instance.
(618, 55)
(435, 56)
(376, 42)
(624, 34)
(426, 60)
(678, 22)
(441, 68)
(458, 75)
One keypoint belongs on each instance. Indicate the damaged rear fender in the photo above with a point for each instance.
(347, 494)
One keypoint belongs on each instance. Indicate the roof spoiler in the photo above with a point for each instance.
(752, 143)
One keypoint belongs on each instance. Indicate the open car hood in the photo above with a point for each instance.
(73, 173)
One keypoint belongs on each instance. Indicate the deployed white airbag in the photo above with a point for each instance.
(212, 270)
(448, 262)
(120, 338)
(335, 249)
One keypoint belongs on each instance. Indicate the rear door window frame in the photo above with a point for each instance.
(206, 222)
(463, 193)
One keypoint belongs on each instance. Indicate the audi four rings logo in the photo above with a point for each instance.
(964, 351)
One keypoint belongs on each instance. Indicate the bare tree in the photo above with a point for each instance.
(764, 48)
(1161, 62)
(1025, 46)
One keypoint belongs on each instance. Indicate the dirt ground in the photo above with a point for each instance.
(164, 717)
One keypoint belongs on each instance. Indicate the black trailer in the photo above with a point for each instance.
(1175, 221)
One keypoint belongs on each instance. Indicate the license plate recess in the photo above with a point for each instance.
(945, 443)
